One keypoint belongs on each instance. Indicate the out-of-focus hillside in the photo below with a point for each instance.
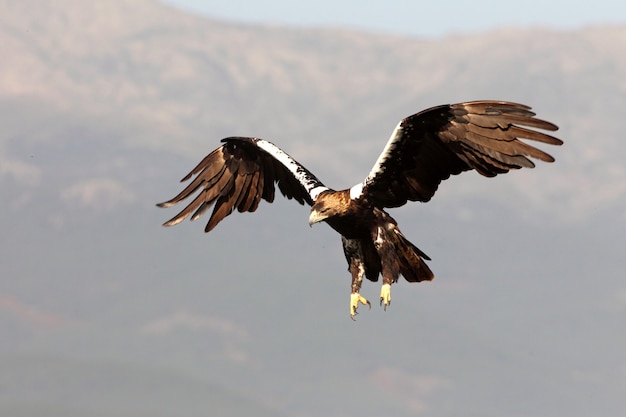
(156, 78)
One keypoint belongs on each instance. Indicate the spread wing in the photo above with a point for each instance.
(427, 147)
(237, 175)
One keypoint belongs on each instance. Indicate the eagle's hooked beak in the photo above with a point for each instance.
(315, 217)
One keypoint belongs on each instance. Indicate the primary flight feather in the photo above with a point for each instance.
(423, 150)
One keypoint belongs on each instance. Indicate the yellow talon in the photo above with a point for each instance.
(355, 299)
(385, 295)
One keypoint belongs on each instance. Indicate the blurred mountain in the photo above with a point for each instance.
(151, 77)
(45, 385)
(104, 105)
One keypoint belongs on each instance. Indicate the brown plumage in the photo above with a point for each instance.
(423, 150)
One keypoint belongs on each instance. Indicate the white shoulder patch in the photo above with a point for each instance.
(312, 185)
(315, 192)
(384, 155)
(356, 191)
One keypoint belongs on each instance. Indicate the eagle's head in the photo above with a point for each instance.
(328, 204)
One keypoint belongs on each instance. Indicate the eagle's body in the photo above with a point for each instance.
(423, 150)
(372, 243)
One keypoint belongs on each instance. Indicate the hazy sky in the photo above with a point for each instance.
(432, 18)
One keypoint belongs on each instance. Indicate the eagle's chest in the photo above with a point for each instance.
(354, 225)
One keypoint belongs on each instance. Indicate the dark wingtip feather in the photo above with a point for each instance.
(174, 221)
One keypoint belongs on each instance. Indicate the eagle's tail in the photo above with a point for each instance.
(411, 259)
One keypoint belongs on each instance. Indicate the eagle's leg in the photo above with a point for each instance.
(354, 255)
(357, 270)
(390, 266)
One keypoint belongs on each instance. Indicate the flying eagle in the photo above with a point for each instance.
(423, 150)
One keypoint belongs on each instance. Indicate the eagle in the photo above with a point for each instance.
(423, 150)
